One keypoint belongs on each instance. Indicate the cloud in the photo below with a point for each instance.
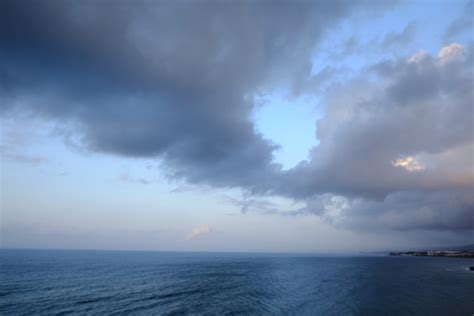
(401, 116)
(440, 210)
(359, 45)
(408, 110)
(451, 53)
(409, 163)
(252, 204)
(399, 38)
(177, 81)
(462, 24)
(23, 158)
(125, 177)
(198, 231)
(162, 79)
(15, 144)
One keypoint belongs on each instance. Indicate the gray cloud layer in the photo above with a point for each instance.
(176, 80)
(396, 145)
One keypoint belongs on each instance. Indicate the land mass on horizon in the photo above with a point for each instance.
(436, 253)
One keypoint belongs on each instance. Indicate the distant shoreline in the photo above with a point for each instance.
(445, 254)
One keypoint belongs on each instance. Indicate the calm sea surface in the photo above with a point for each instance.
(108, 282)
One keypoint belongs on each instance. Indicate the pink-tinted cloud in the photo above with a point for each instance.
(198, 231)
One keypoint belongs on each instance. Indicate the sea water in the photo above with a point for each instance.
(160, 283)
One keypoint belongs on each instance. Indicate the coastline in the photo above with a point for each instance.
(465, 254)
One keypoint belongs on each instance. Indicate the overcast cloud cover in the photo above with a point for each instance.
(179, 81)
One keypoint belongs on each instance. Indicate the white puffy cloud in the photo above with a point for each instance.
(409, 163)
(450, 53)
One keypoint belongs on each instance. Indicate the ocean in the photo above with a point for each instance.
(58, 282)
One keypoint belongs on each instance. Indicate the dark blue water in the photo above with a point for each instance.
(107, 282)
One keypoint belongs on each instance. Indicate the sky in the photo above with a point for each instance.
(236, 126)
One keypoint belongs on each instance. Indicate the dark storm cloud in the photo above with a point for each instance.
(162, 79)
(177, 80)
